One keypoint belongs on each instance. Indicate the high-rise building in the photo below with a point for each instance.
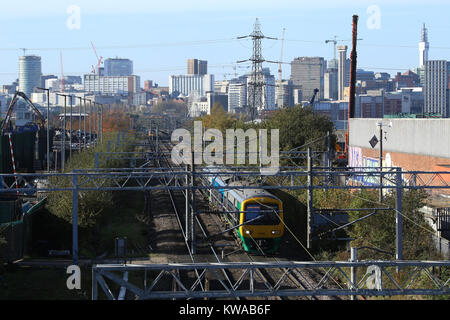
(342, 68)
(195, 66)
(221, 86)
(118, 67)
(284, 95)
(308, 72)
(237, 96)
(29, 73)
(436, 89)
(111, 85)
(298, 96)
(268, 90)
(191, 84)
(424, 47)
(148, 85)
(330, 84)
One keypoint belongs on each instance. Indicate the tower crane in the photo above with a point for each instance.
(335, 42)
(99, 59)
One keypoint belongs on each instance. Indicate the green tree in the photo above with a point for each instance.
(379, 230)
(299, 126)
(92, 204)
(218, 119)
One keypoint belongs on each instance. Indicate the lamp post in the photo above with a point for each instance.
(90, 121)
(63, 142)
(380, 125)
(84, 124)
(70, 128)
(100, 123)
(96, 122)
(48, 126)
(79, 125)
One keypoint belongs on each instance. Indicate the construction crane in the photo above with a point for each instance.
(99, 60)
(335, 42)
(14, 100)
(280, 69)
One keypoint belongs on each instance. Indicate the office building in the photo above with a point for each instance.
(330, 84)
(198, 67)
(70, 80)
(237, 95)
(380, 104)
(336, 111)
(407, 80)
(436, 89)
(29, 73)
(364, 75)
(298, 96)
(94, 83)
(342, 70)
(268, 90)
(46, 77)
(4, 104)
(117, 67)
(308, 72)
(221, 86)
(190, 84)
(284, 93)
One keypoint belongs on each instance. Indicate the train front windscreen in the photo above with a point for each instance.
(262, 215)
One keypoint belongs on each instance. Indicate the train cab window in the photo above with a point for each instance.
(261, 214)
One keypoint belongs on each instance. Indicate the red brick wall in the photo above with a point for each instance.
(415, 162)
(411, 162)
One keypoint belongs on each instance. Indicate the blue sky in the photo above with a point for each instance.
(159, 36)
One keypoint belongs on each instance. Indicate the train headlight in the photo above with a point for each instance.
(248, 232)
(275, 232)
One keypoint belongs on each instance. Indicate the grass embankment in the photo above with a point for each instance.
(102, 215)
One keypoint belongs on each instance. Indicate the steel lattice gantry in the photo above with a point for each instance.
(143, 179)
(420, 278)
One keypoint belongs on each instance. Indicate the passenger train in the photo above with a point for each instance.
(256, 214)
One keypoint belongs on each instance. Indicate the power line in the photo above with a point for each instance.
(130, 46)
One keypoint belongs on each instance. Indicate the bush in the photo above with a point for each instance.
(92, 204)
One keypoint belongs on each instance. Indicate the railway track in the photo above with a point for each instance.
(212, 251)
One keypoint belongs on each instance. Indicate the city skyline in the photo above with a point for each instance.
(391, 46)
